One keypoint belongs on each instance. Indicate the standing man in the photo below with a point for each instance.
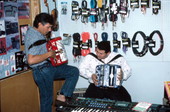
(43, 72)
(88, 70)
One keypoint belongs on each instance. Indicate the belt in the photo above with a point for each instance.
(47, 64)
(107, 88)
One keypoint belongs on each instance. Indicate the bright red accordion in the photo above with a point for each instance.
(57, 45)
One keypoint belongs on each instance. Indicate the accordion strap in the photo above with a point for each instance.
(116, 57)
(39, 42)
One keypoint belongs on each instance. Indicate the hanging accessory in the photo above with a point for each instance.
(144, 4)
(134, 4)
(104, 36)
(85, 12)
(103, 12)
(152, 43)
(135, 44)
(113, 12)
(156, 6)
(75, 11)
(76, 47)
(86, 43)
(116, 42)
(124, 12)
(46, 4)
(149, 43)
(95, 35)
(93, 13)
(99, 3)
(125, 41)
(66, 38)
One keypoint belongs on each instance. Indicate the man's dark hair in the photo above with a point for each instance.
(43, 18)
(104, 45)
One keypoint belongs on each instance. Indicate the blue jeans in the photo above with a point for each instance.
(45, 74)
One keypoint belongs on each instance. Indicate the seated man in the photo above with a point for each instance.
(87, 69)
(43, 72)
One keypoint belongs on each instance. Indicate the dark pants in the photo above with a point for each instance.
(119, 94)
(45, 74)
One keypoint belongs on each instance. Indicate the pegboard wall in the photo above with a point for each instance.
(135, 21)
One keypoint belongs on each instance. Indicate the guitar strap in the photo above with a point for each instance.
(104, 36)
(116, 42)
(93, 13)
(76, 46)
(95, 35)
(86, 43)
(84, 12)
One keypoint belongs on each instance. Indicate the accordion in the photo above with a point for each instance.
(57, 45)
(107, 75)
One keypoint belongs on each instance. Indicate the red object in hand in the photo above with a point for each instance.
(57, 45)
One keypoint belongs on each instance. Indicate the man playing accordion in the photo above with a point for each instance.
(105, 72)
(44, 73)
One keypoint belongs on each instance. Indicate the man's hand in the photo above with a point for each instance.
(52, 54)
(94, 78)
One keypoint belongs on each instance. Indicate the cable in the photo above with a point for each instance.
(161, 43)
(135, 44)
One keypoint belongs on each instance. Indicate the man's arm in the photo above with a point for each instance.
(33, 59)
(125, 69)
(85, 69)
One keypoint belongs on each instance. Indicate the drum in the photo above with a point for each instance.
(107, 75)
(57, 45)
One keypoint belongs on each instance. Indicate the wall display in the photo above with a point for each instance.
(1, 9)
(20, 59)
(11, 10)
(23, 10)
(12, 43)
(23, 30)
(7, 67)
(9, 37)
(12, 30)
(3, 46)
(2, 28)
(149, 43)
(11, 26)
(2, 37)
